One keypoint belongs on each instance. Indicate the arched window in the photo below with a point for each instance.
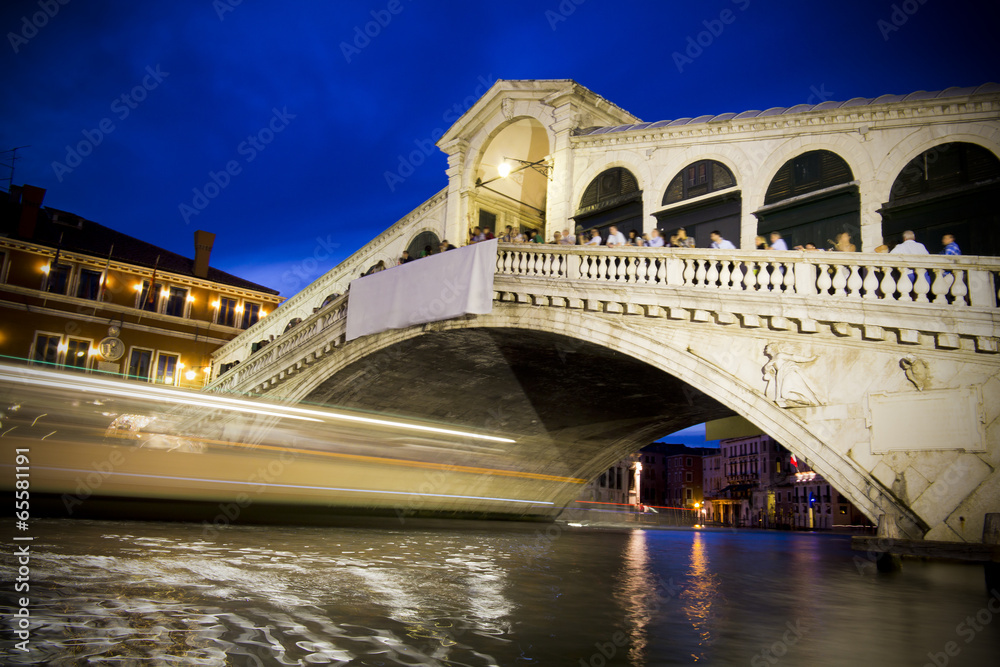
(812, 199)
(952, 188)
(425, 243)
(613, 198)
(697, 179)
(292, 323)
(699, 219)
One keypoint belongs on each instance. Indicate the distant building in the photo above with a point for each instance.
(616, 485)
(78, 295)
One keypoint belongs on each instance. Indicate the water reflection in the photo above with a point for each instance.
(473, 594)
(701, 590)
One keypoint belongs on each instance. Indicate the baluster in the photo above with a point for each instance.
(750, 277)
(688, 272)
(506, 261)
(789, 277)
(630, 268)
(522, 263)
(547, 265)
(619, 268)
(712, 276)
(854, 282)
(559, 265)
(823, 281)
(601, 264)
(905, 285)
(922, 287)
(839, 281)
(939, 288)
(642, 265)
(870, 283)
(699, 274)
(959, 289)
(764, 277)
(777, 276)
(888, 285)
(661, 271)
(724, 275)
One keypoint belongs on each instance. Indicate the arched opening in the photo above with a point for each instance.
(613, 198)
(717, 204)
(812, 199)
(952, 188)
(511, 180)
(423, 244)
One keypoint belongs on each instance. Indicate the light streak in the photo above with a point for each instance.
(300, 486)
(47, 378)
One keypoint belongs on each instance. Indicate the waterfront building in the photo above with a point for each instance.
(78, 295)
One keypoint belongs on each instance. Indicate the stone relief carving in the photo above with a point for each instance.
(916, 371)
(784, 381)
(507, 106)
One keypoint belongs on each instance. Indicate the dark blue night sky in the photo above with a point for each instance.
(212, 74)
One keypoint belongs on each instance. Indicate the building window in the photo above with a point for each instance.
(227, 311)
(687, 461)
(176, 301)
(688, 477)
(77, 352)
(89, 285)
(57, 280)
(47, 348)
(138, 364)
(150, 300)
(166, 369)
(777, 465)
(687, 493)
(251, 313)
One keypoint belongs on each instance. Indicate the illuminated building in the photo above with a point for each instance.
(76, 294)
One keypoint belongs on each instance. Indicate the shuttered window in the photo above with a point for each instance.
(807, 173)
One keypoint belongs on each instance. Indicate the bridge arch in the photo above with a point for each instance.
(713, 391)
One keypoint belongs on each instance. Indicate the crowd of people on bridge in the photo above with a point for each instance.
(656, 239)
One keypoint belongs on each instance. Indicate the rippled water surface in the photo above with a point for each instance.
(129, 593)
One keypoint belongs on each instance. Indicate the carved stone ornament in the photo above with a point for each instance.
(916, 371)
(784, 380)
(507, 106)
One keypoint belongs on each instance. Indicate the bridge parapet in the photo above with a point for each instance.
(949, 303)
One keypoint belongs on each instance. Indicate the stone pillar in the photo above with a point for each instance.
(871, 220)
(559, 197)
(455, 226)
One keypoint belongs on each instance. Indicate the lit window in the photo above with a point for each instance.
(138, 364)
(251, 313)
(227, 312)
(47, 348)
(89, 285)
(56, 279)
(149, 300)
(77, 352)
(176, 301)
(166, 369)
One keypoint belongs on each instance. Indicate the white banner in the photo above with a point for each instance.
(440, 287)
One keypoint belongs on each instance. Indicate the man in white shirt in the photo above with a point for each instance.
(567, 238)
(778, 243)
(720, 243)
(909, 246)
(655, 240)
(595, 238)
(615, 237)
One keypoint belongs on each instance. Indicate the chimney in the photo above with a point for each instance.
(31, 202)
(202, 250)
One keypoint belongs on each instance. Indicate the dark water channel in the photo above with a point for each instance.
(465, 593)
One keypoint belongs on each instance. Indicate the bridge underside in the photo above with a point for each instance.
(573, 407)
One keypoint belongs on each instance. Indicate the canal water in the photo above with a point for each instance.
(471, 593)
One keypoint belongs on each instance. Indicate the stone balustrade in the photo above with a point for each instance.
(920, 279)
(876, 292)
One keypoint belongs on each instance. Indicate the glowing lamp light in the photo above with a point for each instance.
(138, 287)
(45, 268)
(62, 347)
(239, 309)
(503, 169)
(190, 299)
(180, 365)
(206, 369)
(263, 313)
(190, 375)
(215, 304)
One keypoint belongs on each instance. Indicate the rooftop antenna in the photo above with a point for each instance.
(13, 159)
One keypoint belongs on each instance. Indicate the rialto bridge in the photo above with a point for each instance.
(881, 371)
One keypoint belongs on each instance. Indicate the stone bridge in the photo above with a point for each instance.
(880, 371)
